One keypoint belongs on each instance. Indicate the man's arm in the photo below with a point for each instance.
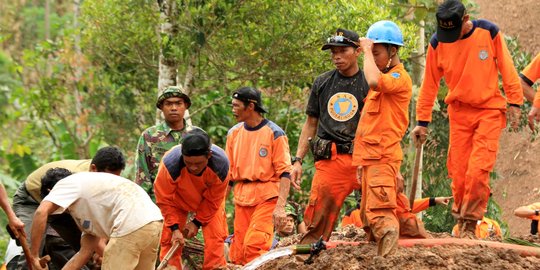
(16, 225)
(142, 172)
(279, 215)
(89, 243)
(525, 212)
(308, 131)
(39, 224)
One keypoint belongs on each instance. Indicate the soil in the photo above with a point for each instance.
(518, 177)
(441, 257)
(514, 18)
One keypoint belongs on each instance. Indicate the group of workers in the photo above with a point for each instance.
(81, 211)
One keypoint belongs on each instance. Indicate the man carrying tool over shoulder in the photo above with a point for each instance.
(258, 150)
(332, 117)
(192, 178)
(469, 55)
(384, 120)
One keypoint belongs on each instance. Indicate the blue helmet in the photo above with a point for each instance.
(385, 32)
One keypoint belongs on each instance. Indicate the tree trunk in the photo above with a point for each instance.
(167, 63)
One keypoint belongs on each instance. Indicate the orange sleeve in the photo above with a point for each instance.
(165, 189)
(511, 84)
(430, 86)
(347, 220)
(420, 205)
(393, 82)
(213, 196)
(530, 75)
(281, 157)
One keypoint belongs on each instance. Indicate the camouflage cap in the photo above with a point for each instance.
(173, 91)
(290, 210)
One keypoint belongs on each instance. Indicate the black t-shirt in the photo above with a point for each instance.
(337, 101)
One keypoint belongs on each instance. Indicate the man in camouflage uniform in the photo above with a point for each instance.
(158, 139)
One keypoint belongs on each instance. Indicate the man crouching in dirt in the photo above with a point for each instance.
(192, 177)
(379, 156)
(104, 206)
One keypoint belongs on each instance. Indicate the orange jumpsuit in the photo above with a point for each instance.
(476, 108)
(484, 229)
(409, 225)
(259, 158)
(530, 75)
(179, 193)
(377, 149)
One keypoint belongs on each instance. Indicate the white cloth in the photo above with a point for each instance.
(104, 204)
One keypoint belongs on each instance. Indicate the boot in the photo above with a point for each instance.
(388, 243)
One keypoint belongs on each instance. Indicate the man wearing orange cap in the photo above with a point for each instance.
(260, 168)
(192, 178)
(469, 55)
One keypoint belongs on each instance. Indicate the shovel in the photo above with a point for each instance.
(168, 256)
(416, 171)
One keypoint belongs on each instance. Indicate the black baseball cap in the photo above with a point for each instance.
(342, 38)
(250, 94)
(196, 143)
(449, 20)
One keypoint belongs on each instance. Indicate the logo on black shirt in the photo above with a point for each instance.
(342, 106)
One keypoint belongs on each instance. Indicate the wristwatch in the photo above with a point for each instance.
(295, 159)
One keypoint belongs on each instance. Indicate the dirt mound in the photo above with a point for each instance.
(447, 257)
(441, 257)
(515, 18)
(518, 177)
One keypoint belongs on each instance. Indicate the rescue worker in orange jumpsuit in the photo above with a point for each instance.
(469, 55)
(332, 117)
(192, 179)
(529, 76)
(485, 228)
(353, 215)
(532, 212)
(384, 120)
(260, 168)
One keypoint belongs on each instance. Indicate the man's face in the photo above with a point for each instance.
(196, 164)
(239, 110)
(173, 109)
(344, 58)
(380, 54)
(288, 228)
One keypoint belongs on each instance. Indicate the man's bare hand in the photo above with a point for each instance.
(442, 200)
(177, 237)
(296, 176)
(190, 230)
(419, 135)
(534, 116)
(279, 216)
(514, 115)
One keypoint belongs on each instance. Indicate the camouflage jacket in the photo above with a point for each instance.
(152, 145)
